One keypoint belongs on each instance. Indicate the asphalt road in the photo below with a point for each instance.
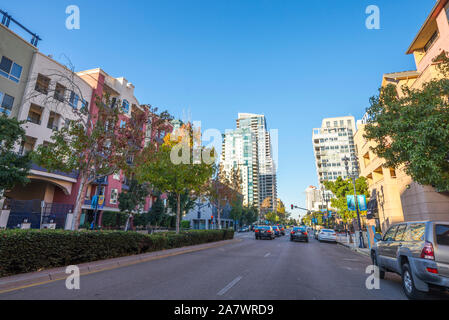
(247, 270)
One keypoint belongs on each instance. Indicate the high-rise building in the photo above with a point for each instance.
(331, 143)
(250, 148)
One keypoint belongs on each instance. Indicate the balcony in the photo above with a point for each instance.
(73, 174)
(103, 181)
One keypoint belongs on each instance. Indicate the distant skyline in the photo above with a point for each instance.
(296, 62)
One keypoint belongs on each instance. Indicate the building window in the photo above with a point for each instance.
(53, 121)
(42, 84)
(122, 124)
(125, 106)
(431, 41)
(10, 69)
(59, 92)
(27, 145)
(84, 105)
(114, 196)
(116, 176)
(34, 115)
(73, 101)
(6, 103)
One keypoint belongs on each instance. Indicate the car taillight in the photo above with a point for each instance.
(257, 231)
(427, 252)
(269, 231)
(293, 232)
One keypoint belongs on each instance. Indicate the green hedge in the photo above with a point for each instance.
(32, 250)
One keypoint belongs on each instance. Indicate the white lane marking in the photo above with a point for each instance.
(229, 286)
(267, 255)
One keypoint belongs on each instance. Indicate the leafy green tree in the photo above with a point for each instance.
(272, 217)
(236, 210)
(342, 188)
(14, 168)
(156, 214)
(133, 199)
(250, 215)
(411, 128)
(163, 170)
(187, 202)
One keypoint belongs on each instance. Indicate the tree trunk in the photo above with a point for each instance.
(219, 218)
(79, 202)
(178, 212)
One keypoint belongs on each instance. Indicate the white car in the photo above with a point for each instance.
(327, 235)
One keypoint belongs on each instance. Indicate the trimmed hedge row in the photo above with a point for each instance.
(33, 250)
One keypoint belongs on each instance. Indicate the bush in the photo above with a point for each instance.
(33, 250)
(185, 224)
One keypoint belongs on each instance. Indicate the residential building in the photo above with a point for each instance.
(250, 148)
(16, 56)
(313, 199)
(395, 196)
(331, 143)
(204, 217)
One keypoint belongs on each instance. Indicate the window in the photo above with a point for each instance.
(53, 121)
(42, 84)
(400, 233)
(59, 92)
(389, 235)
(84, 105)
(122, 124)
(6, 103)
(116, 176)
(34, 115)
(442, 232)
(415, 232)
(125, 106)
(431, 41)
(73, 101)
(10, 69)
(114, 196)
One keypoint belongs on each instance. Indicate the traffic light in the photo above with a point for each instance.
(292, 207)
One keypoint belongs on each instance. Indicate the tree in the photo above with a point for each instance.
(187, 202)
(14, 168)
(221, 191)
(95, 148)
(156, 215)
(167, 171)
(411, 128)
(342, 188)
(133, 199)
(272, 217)
(236, 210)
(249, 215)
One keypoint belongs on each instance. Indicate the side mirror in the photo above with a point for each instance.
(378, 237)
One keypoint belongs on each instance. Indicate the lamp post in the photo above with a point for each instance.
(325, 197)
(346, 161)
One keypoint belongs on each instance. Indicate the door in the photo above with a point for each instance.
(395, 245)
(383, 246)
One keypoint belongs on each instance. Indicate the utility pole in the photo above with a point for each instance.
(346, 161)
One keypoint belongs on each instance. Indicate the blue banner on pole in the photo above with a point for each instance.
(361, 199)
(351, 202)
(94, 202)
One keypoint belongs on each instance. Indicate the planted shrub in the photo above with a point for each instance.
(32, 250)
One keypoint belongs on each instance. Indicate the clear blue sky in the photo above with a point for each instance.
(294, 61)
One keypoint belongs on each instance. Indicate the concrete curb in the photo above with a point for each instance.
(358, 250)
(25, 280)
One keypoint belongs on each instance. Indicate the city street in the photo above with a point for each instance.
(250, 269)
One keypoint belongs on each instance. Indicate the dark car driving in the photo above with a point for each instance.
(264, 232)
(299, 234)
(277, 231)
(282, 228)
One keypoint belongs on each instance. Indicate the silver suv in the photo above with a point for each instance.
(419, 252)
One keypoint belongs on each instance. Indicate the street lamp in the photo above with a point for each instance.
(326, 198)
(346, 161)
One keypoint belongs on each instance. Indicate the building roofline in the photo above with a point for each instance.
(18, 36)
(433, 14)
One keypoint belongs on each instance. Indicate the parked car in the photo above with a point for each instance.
(277, 231)
(262, 232)
(327, 235)
(419, 252)
(315, 234)
(299, 234)
(244, 229)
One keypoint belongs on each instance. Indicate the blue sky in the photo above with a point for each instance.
(294, 61)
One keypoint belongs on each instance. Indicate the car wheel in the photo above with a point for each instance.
(408, 284)
(374, 259)
(307, 240)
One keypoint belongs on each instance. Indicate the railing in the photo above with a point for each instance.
(6, 21)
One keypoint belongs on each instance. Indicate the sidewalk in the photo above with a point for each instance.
(344, 241)
(41, 277)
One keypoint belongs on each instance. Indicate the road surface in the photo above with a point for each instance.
(246, 270)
